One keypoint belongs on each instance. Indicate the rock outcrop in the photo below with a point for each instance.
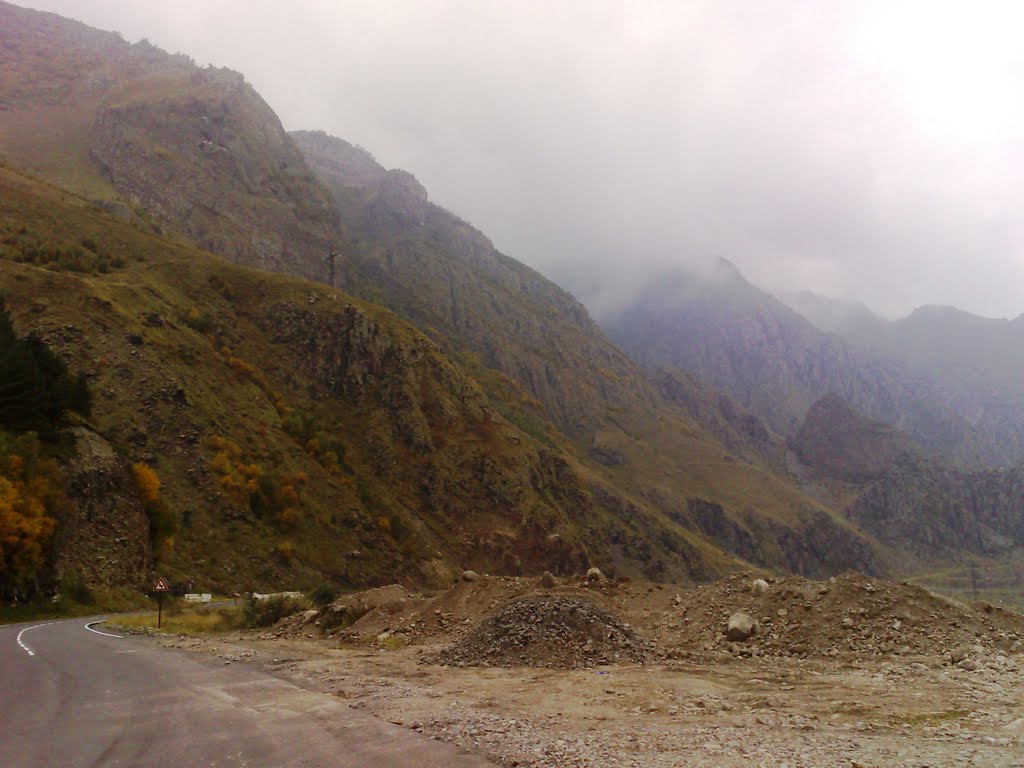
(839, 442)
(103, 535)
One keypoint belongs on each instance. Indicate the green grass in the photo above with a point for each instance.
(190, 621)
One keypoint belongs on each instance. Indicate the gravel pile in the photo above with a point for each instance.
(554, 631)
(850, 614)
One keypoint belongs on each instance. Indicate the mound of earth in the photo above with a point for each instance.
(347, 611)
(557, 631)
(849, 614)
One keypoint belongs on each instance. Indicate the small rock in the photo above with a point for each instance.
(759, 586)
(547, 580)
(594, 574)
(959, 654)
(470, 576)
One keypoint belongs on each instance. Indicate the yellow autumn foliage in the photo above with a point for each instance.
(25, 523)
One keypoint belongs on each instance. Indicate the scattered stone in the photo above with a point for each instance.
(594, 574)
(759, 586)
(470, 576)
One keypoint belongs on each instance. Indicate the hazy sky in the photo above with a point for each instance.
(870, 149)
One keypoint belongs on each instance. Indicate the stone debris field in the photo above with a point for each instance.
(592, 673)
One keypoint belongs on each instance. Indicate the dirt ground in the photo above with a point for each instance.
(851, 672)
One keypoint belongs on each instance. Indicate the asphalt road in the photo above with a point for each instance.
(72, 698)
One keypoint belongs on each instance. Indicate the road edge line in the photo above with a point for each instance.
(89, 626)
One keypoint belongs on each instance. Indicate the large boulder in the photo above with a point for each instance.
(741, 627)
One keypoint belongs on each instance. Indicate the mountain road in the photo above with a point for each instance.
(75, 695)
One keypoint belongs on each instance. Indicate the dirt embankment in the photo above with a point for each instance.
(516, 621)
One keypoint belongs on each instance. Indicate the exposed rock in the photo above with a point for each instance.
(759, 586)
(470, 576)
(838, 441)
(741, 627)
(104, 535)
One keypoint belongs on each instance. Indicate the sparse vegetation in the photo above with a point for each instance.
(323, 594)
(270, 610)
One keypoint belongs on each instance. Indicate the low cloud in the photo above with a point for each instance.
(860, 150)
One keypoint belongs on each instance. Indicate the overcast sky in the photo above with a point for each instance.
(870, 150)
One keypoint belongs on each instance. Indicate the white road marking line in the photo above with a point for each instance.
(24, 647)
(105, 634)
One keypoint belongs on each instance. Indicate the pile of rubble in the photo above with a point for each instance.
(849, 614)
(556, 631)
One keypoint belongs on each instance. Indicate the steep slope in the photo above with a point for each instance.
(200, 155)
(447, 277)
(931, 514)
(773, 361)
(839, 442)
(973, 364)
(737, 428)
(197, 149)
(500, 317)
(295, 431)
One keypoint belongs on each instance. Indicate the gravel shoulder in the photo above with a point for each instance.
(701, 702)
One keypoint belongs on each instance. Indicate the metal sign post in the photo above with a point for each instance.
(160, 587)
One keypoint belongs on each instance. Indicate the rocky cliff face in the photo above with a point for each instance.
(197, 150)
(774, 362)
(736, 427)
(212, 161)
(839, 442)
(937, 514)
(103, 537)
(444, 275)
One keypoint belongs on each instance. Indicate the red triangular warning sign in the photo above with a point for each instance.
(161, 585)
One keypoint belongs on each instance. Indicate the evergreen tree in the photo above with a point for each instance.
(36, 389)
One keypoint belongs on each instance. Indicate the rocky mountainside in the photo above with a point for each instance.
(451, 409)
(923, 508)
(839, 442)
(295, 431)
(737, 428)
(520, 333)
(195, 150)
(973, 364)
(739, 339)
